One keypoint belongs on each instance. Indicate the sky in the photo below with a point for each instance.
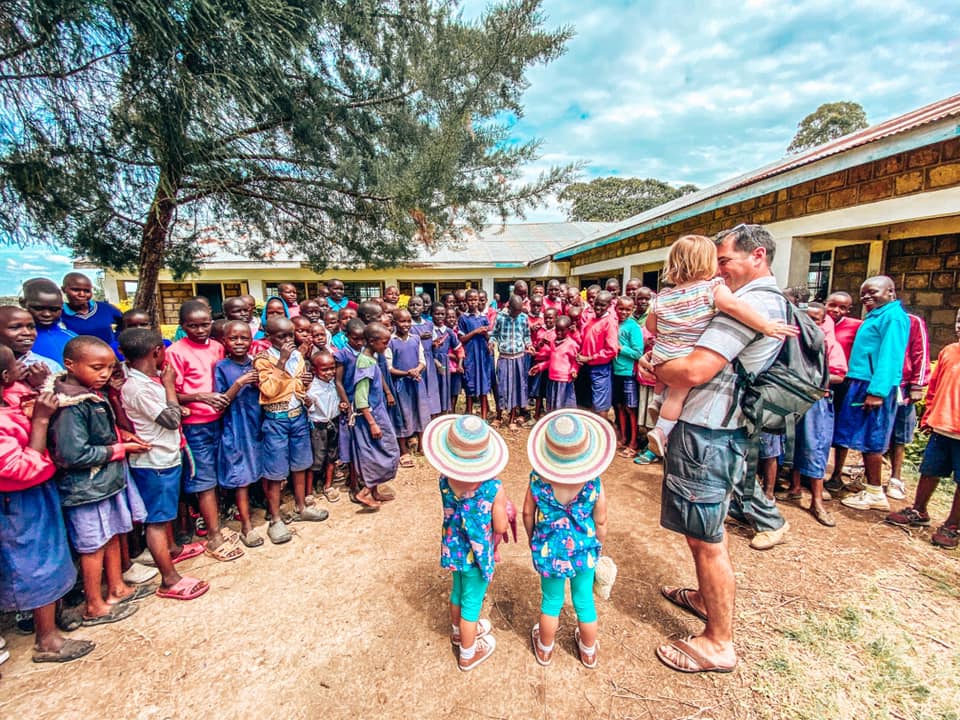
(698, 91)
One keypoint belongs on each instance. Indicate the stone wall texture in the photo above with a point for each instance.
(926, 271)
(931, 167)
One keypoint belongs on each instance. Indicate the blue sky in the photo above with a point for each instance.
(700, 91)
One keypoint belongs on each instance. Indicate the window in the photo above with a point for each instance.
(818, 275)
(651, 279)
(127, 289)
(360, 291)
(435, 289)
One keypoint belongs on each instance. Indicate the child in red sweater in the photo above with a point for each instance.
(35, 559)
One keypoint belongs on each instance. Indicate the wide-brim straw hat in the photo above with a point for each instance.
(571, 447)
(463, 447)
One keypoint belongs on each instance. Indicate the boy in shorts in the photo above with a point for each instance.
(286, 431)
(150, 400)
(324, 413)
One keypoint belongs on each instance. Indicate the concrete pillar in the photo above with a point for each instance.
(256, 287)
(111, 288)
(791, 263)
(875, 259)
(486, 282)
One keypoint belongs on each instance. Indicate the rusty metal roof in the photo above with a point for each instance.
(910, 121)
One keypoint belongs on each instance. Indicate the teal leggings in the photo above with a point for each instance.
(581, 592)
(469, 589)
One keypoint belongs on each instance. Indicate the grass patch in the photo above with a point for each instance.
(875, 657)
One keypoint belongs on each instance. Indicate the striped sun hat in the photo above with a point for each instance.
(571, 447)
(463, 447)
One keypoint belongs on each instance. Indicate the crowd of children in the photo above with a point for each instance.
(114, 439)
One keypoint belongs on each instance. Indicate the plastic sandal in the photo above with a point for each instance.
(188, 588)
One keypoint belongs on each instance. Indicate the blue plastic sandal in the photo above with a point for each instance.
(646, 458)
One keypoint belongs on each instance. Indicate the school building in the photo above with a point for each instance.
(491, 259)
(884, 200)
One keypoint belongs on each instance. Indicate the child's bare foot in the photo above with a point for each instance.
(129, 594)
(365, 497)
(382, 495)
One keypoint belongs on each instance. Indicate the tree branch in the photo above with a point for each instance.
(235, 185)
(62, 74)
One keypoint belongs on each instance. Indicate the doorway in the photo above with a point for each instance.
(213, 292)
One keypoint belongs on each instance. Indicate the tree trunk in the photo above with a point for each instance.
(155, 233)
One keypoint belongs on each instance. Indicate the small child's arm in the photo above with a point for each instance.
(341, 391)
(529, 513)
(651, 322)
(600, 516)
(499, 513)
(727, 303)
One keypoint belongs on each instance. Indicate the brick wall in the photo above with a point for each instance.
(926, 271)
(172, 296)
(932, 167)
(849, 271)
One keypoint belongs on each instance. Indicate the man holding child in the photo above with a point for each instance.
(706, 458)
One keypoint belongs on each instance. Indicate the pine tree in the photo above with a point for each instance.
(338, 130)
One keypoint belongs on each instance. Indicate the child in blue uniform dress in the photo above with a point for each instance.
(474, 329)
(423, 328)
(565, 516)
(241, 444)
(35, 565)
(469, 456)
(346, 366)
(373, 443)
(445, 341)
(407, 362)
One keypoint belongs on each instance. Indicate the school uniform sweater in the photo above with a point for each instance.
(98, 320)
(879, 349)
(630, 337)
(601, 340)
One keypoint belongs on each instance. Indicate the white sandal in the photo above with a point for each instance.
(484, 628)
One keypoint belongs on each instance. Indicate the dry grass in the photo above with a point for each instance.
(890, 652)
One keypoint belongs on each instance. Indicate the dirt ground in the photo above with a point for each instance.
(350, 620)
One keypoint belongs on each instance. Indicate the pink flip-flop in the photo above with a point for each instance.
(188, 588)
(190, 550)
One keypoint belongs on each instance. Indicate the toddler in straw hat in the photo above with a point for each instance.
(565, 516)
(469, 456)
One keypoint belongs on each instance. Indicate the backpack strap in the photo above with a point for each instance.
(750, 481)
(753, 461)
(789, 439)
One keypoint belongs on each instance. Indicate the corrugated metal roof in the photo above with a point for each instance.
(511, 242)
(950, 107)
(494, 245)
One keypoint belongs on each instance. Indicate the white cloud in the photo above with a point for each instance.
(650, 90)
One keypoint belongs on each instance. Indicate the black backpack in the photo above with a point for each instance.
(774, 400)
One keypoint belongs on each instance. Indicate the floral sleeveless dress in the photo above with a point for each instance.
(564, 540)
(468, 528)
